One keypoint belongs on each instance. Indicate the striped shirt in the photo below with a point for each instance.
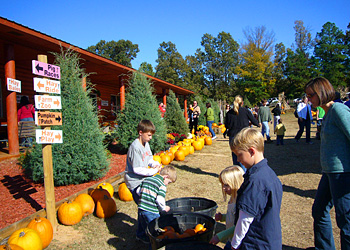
(151, 187)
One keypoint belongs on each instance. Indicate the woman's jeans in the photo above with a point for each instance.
(209, 124)
(265, 129)
(333, 189)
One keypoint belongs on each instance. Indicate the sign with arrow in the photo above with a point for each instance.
(44, 69)
(48, 118)
(47, 102)
(46, 136)
(47, 86)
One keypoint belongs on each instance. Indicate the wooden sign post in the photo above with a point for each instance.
(48, 175)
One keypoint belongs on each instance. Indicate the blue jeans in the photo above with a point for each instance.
(265, 129)
(333, 189)
(144, 218)
(279, 140)
(209, 124)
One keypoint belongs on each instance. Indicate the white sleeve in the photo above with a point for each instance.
(161, 202)
(144, 171)
(242, 227)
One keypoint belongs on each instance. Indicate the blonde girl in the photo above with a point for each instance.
(231, 179)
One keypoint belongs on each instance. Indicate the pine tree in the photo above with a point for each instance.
(82, 156)
(174, 118)
(140, 104)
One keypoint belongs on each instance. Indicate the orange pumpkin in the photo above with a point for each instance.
(180, 155)
(70, 213)
(157, 158)
(199, 227)
(108, 187)
(44, 228)
(208, 140)
(10, 247)
(26, 238)
(106, 207)
(197, 145)
(98, 193)
(86, 202)
(124, 193)
(171, 154)
(191, 149)
(186, 149)
(166, 159)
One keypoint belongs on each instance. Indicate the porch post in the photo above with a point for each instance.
(164, 96)
(122, 92)
(185, 108)
(11, 102)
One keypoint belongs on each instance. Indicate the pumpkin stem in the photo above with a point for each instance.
(21, 234)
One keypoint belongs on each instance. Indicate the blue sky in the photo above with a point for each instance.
(183, 22)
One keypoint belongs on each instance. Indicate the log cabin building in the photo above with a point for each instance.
(19, 45)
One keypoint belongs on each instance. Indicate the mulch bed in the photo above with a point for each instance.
(20, 197)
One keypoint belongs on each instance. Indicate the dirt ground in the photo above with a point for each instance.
(296, 164)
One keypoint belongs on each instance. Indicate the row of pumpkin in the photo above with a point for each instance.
(182, 149)
(39, 232)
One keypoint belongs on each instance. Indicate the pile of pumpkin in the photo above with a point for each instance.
(182, 149)
(169, 232)
(39, 232)
(221, 127)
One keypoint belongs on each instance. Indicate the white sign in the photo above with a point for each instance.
(47, 102)
(13, 85)
(45, 136)
(47, 86)
(104, 103)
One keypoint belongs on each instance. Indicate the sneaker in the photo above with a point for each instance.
(213, 138)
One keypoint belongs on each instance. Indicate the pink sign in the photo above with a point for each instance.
(44, 69)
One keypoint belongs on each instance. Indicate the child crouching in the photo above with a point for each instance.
(152, 199)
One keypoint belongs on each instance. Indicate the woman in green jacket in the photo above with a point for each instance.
(209, 115)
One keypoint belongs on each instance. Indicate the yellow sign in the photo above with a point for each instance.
(48, 118)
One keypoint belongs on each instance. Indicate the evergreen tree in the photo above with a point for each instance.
(330, 51)
(174, 117)
(82, 156)
(140, 104)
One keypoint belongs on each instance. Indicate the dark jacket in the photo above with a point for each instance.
(276, 111)
(235, 123)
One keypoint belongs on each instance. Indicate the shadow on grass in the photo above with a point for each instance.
(284, 247)
(194, 170)
(302, 193)
(124, 228)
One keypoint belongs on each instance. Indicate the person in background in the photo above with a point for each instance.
(258, 205)
(196, 113)
(26, 110)
(334, 186)
(337, 97)
(162, 109)
(264, 117)
(190, 117)
(152, 199)
(347, 103)
(225, 113)
(304, 120)
(231, 179)
(209, 116)
(279, 131)
(276, 111)
(319, 118)
(237, 119)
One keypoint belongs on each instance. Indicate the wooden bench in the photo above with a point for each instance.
(26, 133)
